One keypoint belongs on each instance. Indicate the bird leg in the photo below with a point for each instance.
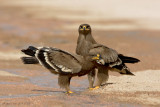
(91, 78)
(102, 76)
(64, 82)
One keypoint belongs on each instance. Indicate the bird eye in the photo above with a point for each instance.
(92, 55)
(87, 26)
(81, 26)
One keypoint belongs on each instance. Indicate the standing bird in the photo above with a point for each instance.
(106, 58)
(59, 62)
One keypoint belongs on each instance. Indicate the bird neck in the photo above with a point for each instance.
(87, 37)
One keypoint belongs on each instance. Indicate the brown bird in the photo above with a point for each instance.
(59, 62)
(106, 58)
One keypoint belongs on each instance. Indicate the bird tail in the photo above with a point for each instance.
(29, 60)
(123, 69)
(126, 59)
(37, 56)
(31, 51)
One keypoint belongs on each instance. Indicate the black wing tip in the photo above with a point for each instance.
(127, 73)
(23, 60)
(133, 60)
(29, 47)
(23, 50)
(130, 73)
(32, 48)
(29, 60)
(136, 60)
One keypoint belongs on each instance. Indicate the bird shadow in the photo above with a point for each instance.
(56, 92)
(48, 91)
(107, 84)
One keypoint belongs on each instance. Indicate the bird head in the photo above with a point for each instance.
(98, 58)
(84, 29)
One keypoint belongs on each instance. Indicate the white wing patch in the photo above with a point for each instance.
(64, 69)
(116, 63)
(39, 48)
(48, 61)
(36, 55)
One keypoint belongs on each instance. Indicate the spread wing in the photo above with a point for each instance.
(58, 60)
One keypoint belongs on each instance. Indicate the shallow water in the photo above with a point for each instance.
(80, 96)
(47, 79)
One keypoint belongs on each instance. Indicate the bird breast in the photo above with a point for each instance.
(83, 48)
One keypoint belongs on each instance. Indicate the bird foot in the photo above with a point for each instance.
(69, 92)
(94, 88)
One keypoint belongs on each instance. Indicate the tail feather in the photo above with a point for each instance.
(29, 60)
(126, 59)
(30, 51)
(123, 69)
(126, 72)
(37, 56)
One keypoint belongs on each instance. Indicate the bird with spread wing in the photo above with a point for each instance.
(59, 62)
(106, 58)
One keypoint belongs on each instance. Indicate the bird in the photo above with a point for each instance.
(59, 62)
(106, 58)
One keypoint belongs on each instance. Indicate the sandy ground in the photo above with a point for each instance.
(140, 14)
(4, 73)
(131, 29)
(140, 88)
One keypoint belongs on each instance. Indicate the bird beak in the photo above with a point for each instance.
(97, 57)
(84, 27)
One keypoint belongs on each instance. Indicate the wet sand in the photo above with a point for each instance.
(32, 85)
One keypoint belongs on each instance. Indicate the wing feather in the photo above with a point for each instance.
(58, 60)
(107, 54)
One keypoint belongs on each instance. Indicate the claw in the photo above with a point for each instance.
(97, 87)
(94, 88)
(69, 92)
(91, 88)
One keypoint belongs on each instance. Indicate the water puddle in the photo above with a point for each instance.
(79, 86)
(23, 95)
(47, 79)
(13, 28)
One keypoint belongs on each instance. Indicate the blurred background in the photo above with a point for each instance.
(130, 27)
